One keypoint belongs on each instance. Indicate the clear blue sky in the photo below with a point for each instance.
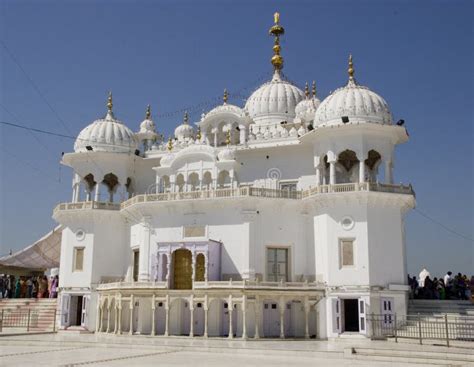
(177, 54)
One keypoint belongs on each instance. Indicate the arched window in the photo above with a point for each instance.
(193, 181)
(372, 162)
(111, 182)
(347, 160)
(207, 181)
(223, 180)
(89, 185)
(180, 183)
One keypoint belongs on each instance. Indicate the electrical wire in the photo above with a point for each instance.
(443, 226)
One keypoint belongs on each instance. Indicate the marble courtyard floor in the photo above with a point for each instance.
(70, 349)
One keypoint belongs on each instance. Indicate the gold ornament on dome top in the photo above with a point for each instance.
(110, 103)
(148, 112)
(276, 31)
(313, 89)
(225, 96)
(227, 139)
(306, 90)
(170, 144)
(198, 135)
(351, 68)
(186, 117)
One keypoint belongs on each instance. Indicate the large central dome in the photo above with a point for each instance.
(274, 101)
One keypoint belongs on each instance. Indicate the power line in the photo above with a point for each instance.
(35, 86)
(443, 226)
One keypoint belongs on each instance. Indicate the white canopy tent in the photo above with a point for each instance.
(43, 254)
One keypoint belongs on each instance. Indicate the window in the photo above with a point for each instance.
(288, 186)
(346, 252)
(136, 262)
(78, 262)
(195, 231)
(277, 264)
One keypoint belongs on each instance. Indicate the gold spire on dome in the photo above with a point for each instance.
(110, 103)
(276, 31)
(306, 90)
(225, 96)
(186, 117)
(198, 135)
(148, 112)
(351, 68)
(313, 89)
(170, 144)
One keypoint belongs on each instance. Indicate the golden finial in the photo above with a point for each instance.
(227, 138)
(313, 89)
(276, 31)
(186, 117)
(226, 96)
(306, 90)
(198, 135)
(109, 102)
(351, 68)
(170, 144)
(148, 112)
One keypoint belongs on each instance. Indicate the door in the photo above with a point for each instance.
(362, 319)
(85, 311)
(182, 269)
(271, 319)
(386, 308)
(65, 308)
(351, 315)
(336, 315)
(277, 264)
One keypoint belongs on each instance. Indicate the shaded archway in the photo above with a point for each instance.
(180, 182)
(372, 163)
(200, 268)
(111, 182)
(207, 181)
(223, 179)
(89, 183)
(182, 269)
(193, 182)
(180, 316)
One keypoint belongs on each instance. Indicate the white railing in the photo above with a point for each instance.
(87, 205)
(131, 285)
(245, 191)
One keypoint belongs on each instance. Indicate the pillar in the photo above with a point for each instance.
(318, 175)
(193, 266)
(282, 317)
(243, 133)
(144, 260)
(388, 172)
(206, 309)
(191, 319)
(362, 170)
(244, 318)
(97, 321)
(332, 172)
(131, 315)
(97, 192)
(231, 309)
(167, 315)
(108, 316)
(115, 316)
(99, 325)
(257, 317)
(153, 327)
(120, 316)
(306, 318)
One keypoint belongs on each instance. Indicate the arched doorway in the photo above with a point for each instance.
(200, 268)
(182, 269)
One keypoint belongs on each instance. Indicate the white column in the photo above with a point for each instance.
(167, 316)
(120, 316)
(257, 317)
(144, 259)
(362, 171)
(230, 309)
(243, 133)
(388, 172)
(99, 319)
(282, 318)
(153, 304)
(244, 318)
(115, 316)
(131, 315)
(306, 318)
(318, 175)
(332, 172)
(97, 192)
(191, 319)
(206, 309)
(193, 266)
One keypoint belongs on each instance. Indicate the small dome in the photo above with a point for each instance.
(306, 109)
(355, 101)
(147, 127)
(167, 159)
(226, 154)
(184, 131)
(106, 135)
(274, 101)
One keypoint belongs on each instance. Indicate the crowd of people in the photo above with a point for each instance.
(448, 287)
(28, 286)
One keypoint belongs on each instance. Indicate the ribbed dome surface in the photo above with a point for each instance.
(306, 108)
(274, 101)
(106, 135)
(357, 102)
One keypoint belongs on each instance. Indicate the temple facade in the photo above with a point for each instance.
(280, 218)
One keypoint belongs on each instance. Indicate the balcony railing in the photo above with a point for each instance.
(240, 192)
(241, 284)
(87, 205)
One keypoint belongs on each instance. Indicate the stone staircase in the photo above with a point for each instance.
(427, 308)
(28, 314)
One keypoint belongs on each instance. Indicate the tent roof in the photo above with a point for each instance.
(43, 254)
